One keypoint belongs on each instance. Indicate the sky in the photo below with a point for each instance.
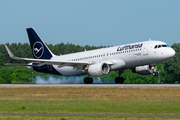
(91, 22)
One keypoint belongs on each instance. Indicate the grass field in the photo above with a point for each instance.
(153, 101)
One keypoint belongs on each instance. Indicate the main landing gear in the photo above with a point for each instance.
(88, 80)
(119, 79)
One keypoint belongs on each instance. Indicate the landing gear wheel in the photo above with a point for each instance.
(88, 80)
(119, 80)
(155, 73)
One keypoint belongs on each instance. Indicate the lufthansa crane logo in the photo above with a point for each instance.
(38, 49)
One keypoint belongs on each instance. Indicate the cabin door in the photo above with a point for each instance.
(145, 49)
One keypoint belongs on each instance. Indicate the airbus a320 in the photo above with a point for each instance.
(141, 57)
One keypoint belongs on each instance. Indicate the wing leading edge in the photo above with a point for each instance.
(42, 62)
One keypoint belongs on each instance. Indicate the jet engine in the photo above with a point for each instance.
(98, 69)
(145, 70)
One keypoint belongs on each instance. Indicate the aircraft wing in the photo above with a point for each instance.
(41, 62)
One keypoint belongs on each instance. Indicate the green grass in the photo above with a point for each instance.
(148, 101)
(91, 107)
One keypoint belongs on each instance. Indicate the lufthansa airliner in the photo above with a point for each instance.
(141, 57)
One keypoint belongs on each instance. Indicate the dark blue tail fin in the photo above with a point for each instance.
(39, 48)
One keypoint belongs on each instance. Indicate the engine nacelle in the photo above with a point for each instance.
(145, 70)
(98, 69)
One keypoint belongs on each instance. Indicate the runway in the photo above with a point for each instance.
(90, 85)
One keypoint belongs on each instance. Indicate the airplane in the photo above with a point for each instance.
(141, 57)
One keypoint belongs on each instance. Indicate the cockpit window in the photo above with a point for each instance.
(164, 45)
(159, 46)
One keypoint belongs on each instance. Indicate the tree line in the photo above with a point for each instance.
(169, 71)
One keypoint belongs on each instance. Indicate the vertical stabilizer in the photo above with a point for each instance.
(39, 48)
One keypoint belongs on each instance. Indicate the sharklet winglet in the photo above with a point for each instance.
(9, 52)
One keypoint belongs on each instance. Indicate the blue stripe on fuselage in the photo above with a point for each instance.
(47, 68)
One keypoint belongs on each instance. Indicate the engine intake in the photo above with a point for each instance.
(98, 69)
(145, 70)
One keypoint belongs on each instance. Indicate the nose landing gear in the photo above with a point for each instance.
(155, 74)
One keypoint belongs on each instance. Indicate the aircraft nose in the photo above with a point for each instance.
(171, 53)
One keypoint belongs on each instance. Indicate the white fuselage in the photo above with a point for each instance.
(122, 57)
